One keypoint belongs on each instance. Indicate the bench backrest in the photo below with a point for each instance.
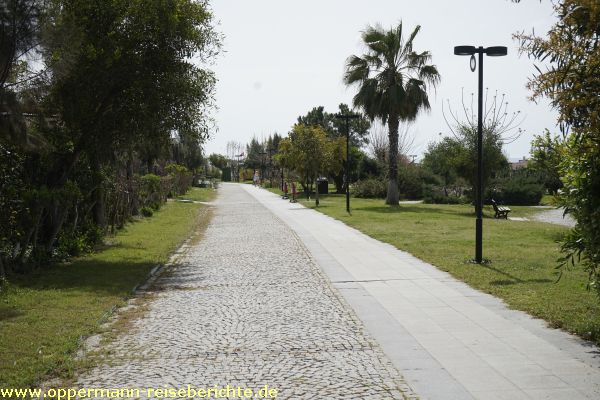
(494, 205)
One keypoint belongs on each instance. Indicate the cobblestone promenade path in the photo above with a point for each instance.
(247, 306)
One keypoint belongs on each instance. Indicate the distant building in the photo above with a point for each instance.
(520, 164)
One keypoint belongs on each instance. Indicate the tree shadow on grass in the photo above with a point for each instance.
(9, 313)
(417, 210)
(512, 279)
(89, 275)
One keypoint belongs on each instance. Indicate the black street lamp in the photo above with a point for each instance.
(494, 51)
(347, 118)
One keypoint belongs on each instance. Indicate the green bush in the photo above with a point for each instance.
(412, 178)
(151, 191)
(370, 189)
(369, 167)
(434, 194)
(410, 182)
(73, 244)
(147, 212)
(181, 179)
(520, 191)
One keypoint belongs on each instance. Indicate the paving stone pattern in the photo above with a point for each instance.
(247, 306)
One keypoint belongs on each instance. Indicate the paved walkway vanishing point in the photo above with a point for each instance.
(248, 307)
(271, 296)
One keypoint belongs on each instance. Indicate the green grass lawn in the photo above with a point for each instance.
(198, 194)
(523, 255)
(547, 200)
(43, 316)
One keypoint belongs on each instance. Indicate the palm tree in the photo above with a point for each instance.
(392, 84)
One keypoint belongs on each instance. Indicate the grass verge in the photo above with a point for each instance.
(43, 316)
(523, 255)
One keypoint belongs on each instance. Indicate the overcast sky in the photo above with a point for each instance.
(282, 58)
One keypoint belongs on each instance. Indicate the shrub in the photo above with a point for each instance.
(151, 191)
(370, 188)
(369, 167)
(521, 191)
(411, 178)
(73, 244)
(181, 179)
(147, 212)
(410, 184)
(433, 194)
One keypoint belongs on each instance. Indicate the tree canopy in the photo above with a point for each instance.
(572, 83)
(120, 93)
(392, 80)
(310, 153)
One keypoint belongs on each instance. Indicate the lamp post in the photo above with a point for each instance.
(347, 118)
(495, 51)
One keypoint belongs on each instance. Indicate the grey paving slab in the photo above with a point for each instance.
(247, 306)
(448, 340)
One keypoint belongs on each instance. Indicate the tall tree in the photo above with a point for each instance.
(218, 160)
(255, 154)
(125, 79)
(547, 152)
(19, 37)
(392, 82)
(336, 128)
(457, 156)
(572, 83)
(308, 151)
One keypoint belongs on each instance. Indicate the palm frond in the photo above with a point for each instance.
(357, 69)
(374, 38)
(392, 79)
(429, 74)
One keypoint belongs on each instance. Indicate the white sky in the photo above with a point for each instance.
(282, 58)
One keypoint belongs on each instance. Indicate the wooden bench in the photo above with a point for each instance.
(500, 212)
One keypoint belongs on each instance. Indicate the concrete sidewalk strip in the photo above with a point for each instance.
(448, 340)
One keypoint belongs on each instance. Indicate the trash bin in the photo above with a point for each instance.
(323, 185)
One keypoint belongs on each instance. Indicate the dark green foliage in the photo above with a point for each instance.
(147, 212)
(218, 160)
(19, 35)
(180, 179)
(547, 153)
(435, 194)
(518, 191)
(392, 81)
(120, 98)
(255, 154)
(369, 167)
(456, 157)
(72, 244)
(370, 188)
(570, 81)
(335, 127)
(226, 175)
(152, 193)
(411, 178)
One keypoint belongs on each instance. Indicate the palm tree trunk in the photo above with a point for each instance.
(392, 192)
